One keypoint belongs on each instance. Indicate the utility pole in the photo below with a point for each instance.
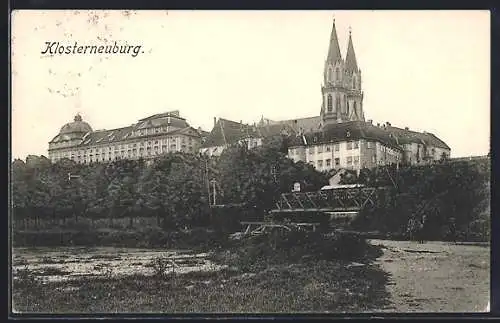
(207, 180)
(213, 181)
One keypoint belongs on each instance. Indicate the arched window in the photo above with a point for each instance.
(329, 74)
(355, 110)
(347, 107)
(337, 103)
(329, 103)
(353, 82)
(337, 74)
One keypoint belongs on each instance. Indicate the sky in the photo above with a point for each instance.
(426, 70)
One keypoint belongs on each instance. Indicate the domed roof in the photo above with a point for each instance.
(77, 126)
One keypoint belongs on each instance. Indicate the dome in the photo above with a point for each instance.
(77, 126)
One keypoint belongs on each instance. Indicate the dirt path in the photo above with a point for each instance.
(436, 276)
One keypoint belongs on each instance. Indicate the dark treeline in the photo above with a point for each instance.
(177, 189)
(444, 192)
(174, 188)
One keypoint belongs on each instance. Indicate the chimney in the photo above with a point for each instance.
(378, 125)
(241, 121)
(406, 128)
(370, 121)
(215, 121)
(388, 123)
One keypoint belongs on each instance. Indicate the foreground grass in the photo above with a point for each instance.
(324, 286)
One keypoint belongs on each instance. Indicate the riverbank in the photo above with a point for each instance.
(324, 286)
(293, 273)
(146, 237)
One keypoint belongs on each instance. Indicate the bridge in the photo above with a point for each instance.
(339, 200)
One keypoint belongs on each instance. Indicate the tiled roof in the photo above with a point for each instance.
(67, 137)
(174, 114)
(227, 132)
(89, 137)
(309, 124)
(352, 130)
(160, 120)
(408, 136)
(121, 134)
(390, 136)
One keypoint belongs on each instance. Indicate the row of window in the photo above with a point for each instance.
(350, 145)
(336, 162)
(134, 145)
(131, 153)
(122, 152)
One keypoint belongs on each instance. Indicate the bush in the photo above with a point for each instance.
(257, 252)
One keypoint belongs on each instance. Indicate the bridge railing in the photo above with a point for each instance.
(352, 199)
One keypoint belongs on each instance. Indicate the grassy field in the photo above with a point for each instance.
(261, 275)
(323, 286)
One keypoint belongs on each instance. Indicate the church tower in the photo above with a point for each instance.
(341, 89)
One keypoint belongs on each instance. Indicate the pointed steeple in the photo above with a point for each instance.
(334, 49)
(350, 58)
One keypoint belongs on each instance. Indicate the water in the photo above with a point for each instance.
(62, 264)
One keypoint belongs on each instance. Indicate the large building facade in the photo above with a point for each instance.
(342, 137)
(339, 138)
(148, 138)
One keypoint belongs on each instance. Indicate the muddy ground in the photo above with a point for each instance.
(436, 276)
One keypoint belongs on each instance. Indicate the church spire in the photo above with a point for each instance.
(334, 49)
(350, 58)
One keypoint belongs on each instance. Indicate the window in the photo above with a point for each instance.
(356, 159)
(337, 161)
(328, 162)
(353, 82)
(320, 163)
(347, 107)
(330, 74)
(311, 150)
(337, 74)
(373, 159)
(329, 103)
(328, 148)
(349, 145)
(337, 103)
(349, 160)
(368, 144)
(320, 149)
(356, 144)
